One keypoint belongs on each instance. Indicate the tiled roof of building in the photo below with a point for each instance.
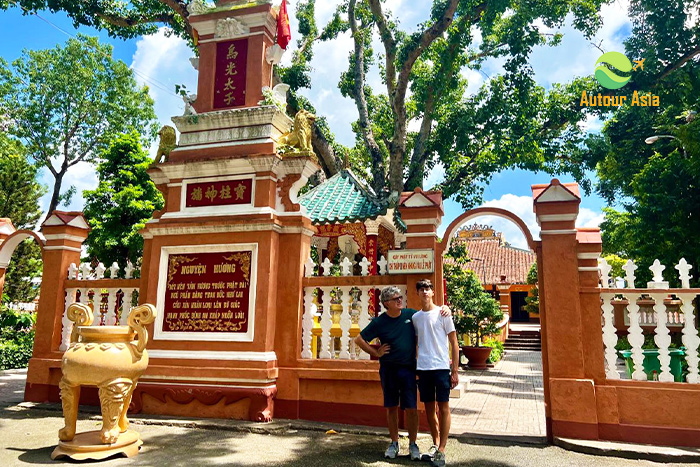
(496, 259)
(341, 198)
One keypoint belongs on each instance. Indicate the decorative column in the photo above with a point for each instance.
(422, 213)
(64, 233)
(6, 229)
(570, 404)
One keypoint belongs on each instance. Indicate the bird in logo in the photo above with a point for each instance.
(639, 64)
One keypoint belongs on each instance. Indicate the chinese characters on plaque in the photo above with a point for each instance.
(230, 78)
(208, 292)
(221, 193)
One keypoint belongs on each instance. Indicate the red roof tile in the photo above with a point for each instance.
(496, 259)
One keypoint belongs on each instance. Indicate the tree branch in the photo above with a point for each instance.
(378, 180)
(674, 66)
(389, 46)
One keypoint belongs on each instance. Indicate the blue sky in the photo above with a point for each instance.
(162, 62)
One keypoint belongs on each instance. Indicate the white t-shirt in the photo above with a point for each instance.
(433, 346)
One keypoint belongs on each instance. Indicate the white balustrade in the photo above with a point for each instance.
(691, 341)
(327, 332)
(67, 325)
(610, 339)
(345, 266)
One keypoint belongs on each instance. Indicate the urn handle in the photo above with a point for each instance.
(139, 317)
(81, 315)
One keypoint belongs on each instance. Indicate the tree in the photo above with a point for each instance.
(532, 301)
(476, 313)
(122, 203)
(68, 102)
(19, 201)
(655, 188)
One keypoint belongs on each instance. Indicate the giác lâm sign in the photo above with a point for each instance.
(410, 261)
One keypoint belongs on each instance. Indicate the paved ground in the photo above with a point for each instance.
(27, 436)
(507, 399)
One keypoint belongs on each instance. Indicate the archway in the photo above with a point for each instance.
(8, 246)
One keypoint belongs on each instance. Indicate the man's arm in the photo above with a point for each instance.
(364, 345)
(445, 311)
(454, 346)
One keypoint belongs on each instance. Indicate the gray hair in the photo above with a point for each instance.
(388, 293)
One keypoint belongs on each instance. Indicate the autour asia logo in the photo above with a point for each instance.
(613, 71)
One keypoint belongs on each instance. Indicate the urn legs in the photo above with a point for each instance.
(70, 395)
(114, 401)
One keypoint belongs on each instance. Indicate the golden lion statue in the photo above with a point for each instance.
(168, 142)
(300, 135)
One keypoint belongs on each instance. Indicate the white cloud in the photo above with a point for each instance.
(589, 218)
(160, 62)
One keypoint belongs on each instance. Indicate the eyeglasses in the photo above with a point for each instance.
(395, 299)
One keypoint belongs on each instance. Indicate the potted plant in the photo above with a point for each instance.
(476, 313)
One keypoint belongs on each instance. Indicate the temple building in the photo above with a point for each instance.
(501, 267)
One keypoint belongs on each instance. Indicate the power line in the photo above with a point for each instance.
(156, 83)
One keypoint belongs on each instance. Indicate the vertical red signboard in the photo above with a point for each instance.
(230, 78)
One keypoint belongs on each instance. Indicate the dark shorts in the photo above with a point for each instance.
(399, 385)
(434, 385)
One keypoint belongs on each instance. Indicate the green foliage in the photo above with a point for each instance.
(497, 349)
(68, 103)
(475, 312)
(19, 201)
(122, 203)
(532, 301)
(616, 262)
(654, 188)
(16, 338)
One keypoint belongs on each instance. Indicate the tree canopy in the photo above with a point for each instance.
(121, 204)
(67, 103)
(654, 189)
(19, 201)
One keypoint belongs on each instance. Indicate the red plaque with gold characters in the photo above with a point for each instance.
(220, 193)
(230, 77)
(208, 292)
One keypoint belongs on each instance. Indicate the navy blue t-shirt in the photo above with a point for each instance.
(398, 333)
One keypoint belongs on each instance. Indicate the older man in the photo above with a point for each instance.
(397, 365)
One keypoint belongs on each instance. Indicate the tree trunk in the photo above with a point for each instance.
(58, 180)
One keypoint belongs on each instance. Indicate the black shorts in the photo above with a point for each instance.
(434, 385)
(399, 385)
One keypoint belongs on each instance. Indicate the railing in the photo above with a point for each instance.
(337, 308)
(658, 306)
(110, 299)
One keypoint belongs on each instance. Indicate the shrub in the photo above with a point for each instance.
(496, 349)
(16, 338)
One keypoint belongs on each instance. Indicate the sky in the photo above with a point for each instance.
(161, 62)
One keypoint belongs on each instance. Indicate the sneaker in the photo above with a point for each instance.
(392, 451)
(438, 459)
(428, 456)
(414, 451)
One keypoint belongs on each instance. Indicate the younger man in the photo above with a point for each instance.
(436, 374)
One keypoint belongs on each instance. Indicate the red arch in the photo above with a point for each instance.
(10, 244)
(484, 211)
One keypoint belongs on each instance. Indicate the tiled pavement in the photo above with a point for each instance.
(507, 399)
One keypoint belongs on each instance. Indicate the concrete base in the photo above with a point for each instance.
(630, 450)
(88, 446)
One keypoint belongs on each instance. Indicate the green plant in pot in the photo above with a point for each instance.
(476, 313)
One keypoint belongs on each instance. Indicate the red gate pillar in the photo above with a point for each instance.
(65, 233)
(422, 212)
(569, 389)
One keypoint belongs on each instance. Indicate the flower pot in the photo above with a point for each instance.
(651, 363)
(477, 356)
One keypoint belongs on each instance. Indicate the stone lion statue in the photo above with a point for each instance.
(168, 142)
(300, 135)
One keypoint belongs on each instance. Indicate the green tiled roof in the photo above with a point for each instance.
(341, 198)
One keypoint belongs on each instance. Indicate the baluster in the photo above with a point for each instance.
(629, 269)
(662, 338)
(345, 266)
(307, 322)
(114, 270)
(85, 271)
(636, 340)
(66, 324)
(309, 267)
(683, 269)
(326, 267)
(126, 306)
(382, 265)
(605, 269)
(365, 264)
(100, 271)
(609, 338)
(326, 324)
(111, 305)
(128, 271)
(690, 337)
(72, 271)
(345, 323)
(363, 319)
(96, 307)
